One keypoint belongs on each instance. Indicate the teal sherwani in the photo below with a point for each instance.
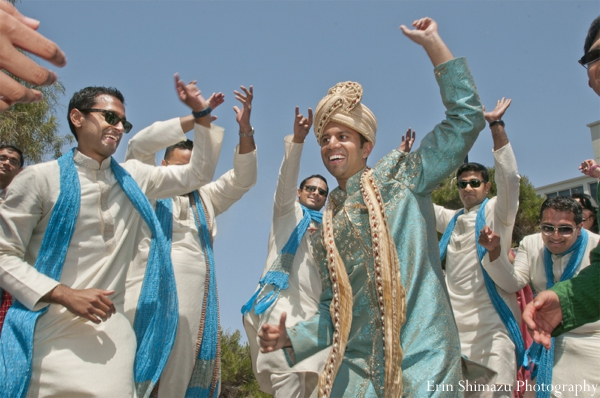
(429, 337)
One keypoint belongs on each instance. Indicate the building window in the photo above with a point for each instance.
(578, 189)
(551, 195)
(566, 192)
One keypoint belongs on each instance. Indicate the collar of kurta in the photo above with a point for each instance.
(339, 196)
(89, 163)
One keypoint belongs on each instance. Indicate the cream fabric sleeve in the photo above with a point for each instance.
(286, 192)
(231, 186)
(154, 138)
(27, 203)
(507, 180)
(442, 217)
(510, 278)
(166, 182)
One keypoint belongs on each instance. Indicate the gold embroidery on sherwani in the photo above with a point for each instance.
(340, 307)
(391, 296)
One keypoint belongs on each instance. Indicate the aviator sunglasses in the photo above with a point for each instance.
(590, 57)
(563, 230)
(474, 183)
(112, 118)
(312, 188)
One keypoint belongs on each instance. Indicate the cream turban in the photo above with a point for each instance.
(342, 105)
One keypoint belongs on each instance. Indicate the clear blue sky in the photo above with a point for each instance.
(294, 51)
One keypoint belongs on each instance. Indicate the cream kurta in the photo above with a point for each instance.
(300, 300)
(483, 337)
(73, 357)
(187, 256)
(576, 352)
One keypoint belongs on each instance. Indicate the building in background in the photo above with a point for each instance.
(582, 183)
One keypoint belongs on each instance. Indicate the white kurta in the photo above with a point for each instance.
(300, 300)
(189, 263)
(483, 337)
(73, 357)
(576, 352)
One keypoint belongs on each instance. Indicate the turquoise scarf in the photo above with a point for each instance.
(206, 374)
(537, 354)
(506, 315)
(279, 272)
(157, 324)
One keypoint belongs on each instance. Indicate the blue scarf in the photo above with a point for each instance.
(279, 271)
(204, 381)
(506, 315)
(537, 354)
(155, 329)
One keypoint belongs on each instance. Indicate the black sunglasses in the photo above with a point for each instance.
(112, 118)
(474, 183)
(563, 230)
(312, 188)
(589, 57)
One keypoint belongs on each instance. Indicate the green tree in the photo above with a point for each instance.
(527, 219)
(237, 378)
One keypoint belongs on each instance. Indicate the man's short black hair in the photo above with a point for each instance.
(592, 33)
(86, 98)
(585, 200)
(17, 150)
(319, 176)
(564, 204)
(476, 167)
(185, 145)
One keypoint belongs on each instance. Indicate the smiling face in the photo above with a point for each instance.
(556, 242)
(312, 200)
(342, 153)
(471, 196)
(96, 138)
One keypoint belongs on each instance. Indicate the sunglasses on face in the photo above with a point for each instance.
(474, 183)
(111, 118)
(563, 230)
(312, 188)
(590, 57)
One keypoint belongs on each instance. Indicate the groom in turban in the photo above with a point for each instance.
(384, 309)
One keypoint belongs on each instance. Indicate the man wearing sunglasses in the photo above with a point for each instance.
(557, 253)
(77, 219)
(192, 215)
(575, 302)
(300, 299)
(484, 334)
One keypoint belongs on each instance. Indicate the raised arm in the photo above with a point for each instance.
(507, 176)
(231, 186)
(426, 34)
(287, 183)
(166, 182)
(242, 116)
(19, 32)
(443, 149)
(160, 135)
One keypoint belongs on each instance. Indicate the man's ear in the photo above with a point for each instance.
(76, 117)
(163, 162)
(299, 191)
(488, 186)
(367, 148)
